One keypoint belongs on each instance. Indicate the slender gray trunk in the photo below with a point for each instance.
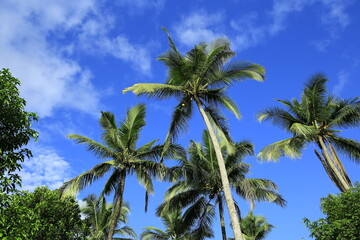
(235, 224)
(117, 207)
(331, 163)
(221, 214)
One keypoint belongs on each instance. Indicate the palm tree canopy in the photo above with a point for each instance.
(97, 212)
(255, 227)
(316, 114)
(121, 153)
(199, 186)
(177, 227)
(203, 73)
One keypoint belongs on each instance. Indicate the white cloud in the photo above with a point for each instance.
(254, 28)
(37, 43)
(47, 168)
(248, 34)
(199, 27)
(141, 4)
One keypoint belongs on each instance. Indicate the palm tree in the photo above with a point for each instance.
(316, 118)
(97, 213)
(201, 77)
(201, 186)
(255, 227)
(122, 157)
(178, 227)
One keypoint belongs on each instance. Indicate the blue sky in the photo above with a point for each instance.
(75, 57)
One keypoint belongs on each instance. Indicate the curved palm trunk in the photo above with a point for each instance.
(117, 207)
(222, 222)
(333, 166)
(224, 177)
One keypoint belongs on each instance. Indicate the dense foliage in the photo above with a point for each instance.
(15, 132)
(41, 215)
(342, 217)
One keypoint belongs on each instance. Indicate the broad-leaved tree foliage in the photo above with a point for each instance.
(41, 215)
(15, 132)
(342, 217)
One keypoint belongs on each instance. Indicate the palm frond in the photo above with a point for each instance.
(78, 183)
(156, 90)
(290, 147)
(96, 148)
(133, 124)
(348, 147)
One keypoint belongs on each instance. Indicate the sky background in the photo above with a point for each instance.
(75, 57)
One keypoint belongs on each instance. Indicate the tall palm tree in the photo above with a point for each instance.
(201, 188)
(179, 228)
(255, 227)
(97, 212)
(201, 77)
(122, 157)
(316, 118)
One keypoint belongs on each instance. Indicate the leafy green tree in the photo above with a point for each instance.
(98, 213)
(200, 187)
(316, 118)
(200, 78)
(342, 217)
(177, 227)
(15, 132)
(255, 227)
(125, 159)
(41, 215)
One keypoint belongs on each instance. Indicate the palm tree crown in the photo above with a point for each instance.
(316, 118)
(200, 188)
(255, 227)
(122, 157)
(98, 214)
(201, 77)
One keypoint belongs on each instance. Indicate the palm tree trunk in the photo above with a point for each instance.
(221, 213)
(333, 171)
(224, 177)
(117, 207)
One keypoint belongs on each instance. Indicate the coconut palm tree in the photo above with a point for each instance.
(97, 213)
(122, 158)
(255, 227)
(316, 118)
(201, 188)
(200, 77)
(180, 228)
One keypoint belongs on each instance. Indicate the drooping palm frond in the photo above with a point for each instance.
(348, 147)
(277, 116)
(73, 186)
(345, 113)
(290, 147)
